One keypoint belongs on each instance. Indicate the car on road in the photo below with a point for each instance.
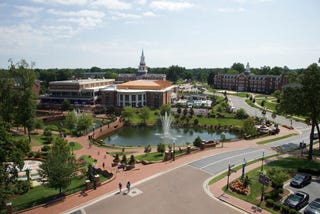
(297, 200)
(300, 180)
(313, 208)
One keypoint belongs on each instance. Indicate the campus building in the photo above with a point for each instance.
(139, 93)
(82, 92)
(141, 74)
(250, 82)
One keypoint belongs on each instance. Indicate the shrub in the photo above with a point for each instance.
(30, 154)
(116, 159)
(45, 148)
(285, 209)
(161, 147)
(197, 142)
(277, 205)
(37, 155)
(269, 202)
(124, 159)
(293, 211)
(132, 160)
(147, 149)
(21, 187)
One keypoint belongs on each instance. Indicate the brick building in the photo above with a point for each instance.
(250, 82)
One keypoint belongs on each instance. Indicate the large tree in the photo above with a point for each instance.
(303, 98)
(11, 158)
(59, 168)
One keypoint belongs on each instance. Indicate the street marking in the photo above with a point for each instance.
(134, 192)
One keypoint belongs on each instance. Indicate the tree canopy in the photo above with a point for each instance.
(303, 98)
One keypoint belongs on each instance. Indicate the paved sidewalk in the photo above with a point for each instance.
(216, 190)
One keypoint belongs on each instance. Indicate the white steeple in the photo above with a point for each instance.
(247, 71)
(142, 69)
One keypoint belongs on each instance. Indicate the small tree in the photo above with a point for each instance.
(47, 134)
(185, 112)
(145, 114)
(197, 142)
(66, 105)
(191, 112)
(132, 160)
(60, 165)
(124, 159)
(116, 158)
(179, 110)
(147, 149)
(161, 147)
(241, 114)
(195, 122)
(249, 128)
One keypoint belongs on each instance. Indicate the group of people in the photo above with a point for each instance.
(128, 186)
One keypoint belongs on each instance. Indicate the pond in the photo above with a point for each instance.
(142, 136)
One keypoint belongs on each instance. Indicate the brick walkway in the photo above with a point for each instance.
(144, 171)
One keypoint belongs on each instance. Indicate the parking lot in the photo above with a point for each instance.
(313, 189)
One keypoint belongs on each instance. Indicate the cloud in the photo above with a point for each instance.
(63, 2)
(231, 10)
(149, 14)
(119, 15)
(26, 11)
(112, 4)
(141, 2)
(83, 18)
(170, 5)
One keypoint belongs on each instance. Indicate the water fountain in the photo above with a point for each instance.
(166, 121)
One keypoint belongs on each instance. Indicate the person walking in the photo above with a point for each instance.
(103, 165)
(120, 186)
(128, 186)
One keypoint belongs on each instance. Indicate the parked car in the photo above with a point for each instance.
(297, 200)
(314, 207)
(301, 180)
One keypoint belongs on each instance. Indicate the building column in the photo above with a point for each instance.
(137, 95)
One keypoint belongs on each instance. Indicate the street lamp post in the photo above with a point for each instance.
(262, 161)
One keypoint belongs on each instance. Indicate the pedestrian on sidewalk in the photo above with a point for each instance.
(103, 165)
(120, 186)
(128, 186)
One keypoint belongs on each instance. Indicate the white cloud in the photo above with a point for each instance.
(63, 2)
(119, 15)
(149, 14)
(25, 11)
(112, 4)
(170, 5)
(83, 18)
(231, 10)
(142, 2)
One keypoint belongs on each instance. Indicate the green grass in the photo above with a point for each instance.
(121, 153)
(152, 157)
(36, 140)
(241, 94)
(219, 121)
(39, 194)
(275, 139)
(87, 159)
(224, 174)
(77, 146)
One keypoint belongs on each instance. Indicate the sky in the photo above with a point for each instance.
(188, 33)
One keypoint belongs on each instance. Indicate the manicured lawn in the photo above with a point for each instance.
(38, 195)
(77, 146)
(275, 139)
(152, 157)
(121, 153)
(87, 159)
(241, 94)
(220, 121)
(36, 140)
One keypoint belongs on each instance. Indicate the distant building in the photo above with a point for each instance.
(139, 93)
(82, 92)
(250, 82)
(141, 74)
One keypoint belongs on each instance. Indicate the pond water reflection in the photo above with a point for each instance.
(142, 136)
